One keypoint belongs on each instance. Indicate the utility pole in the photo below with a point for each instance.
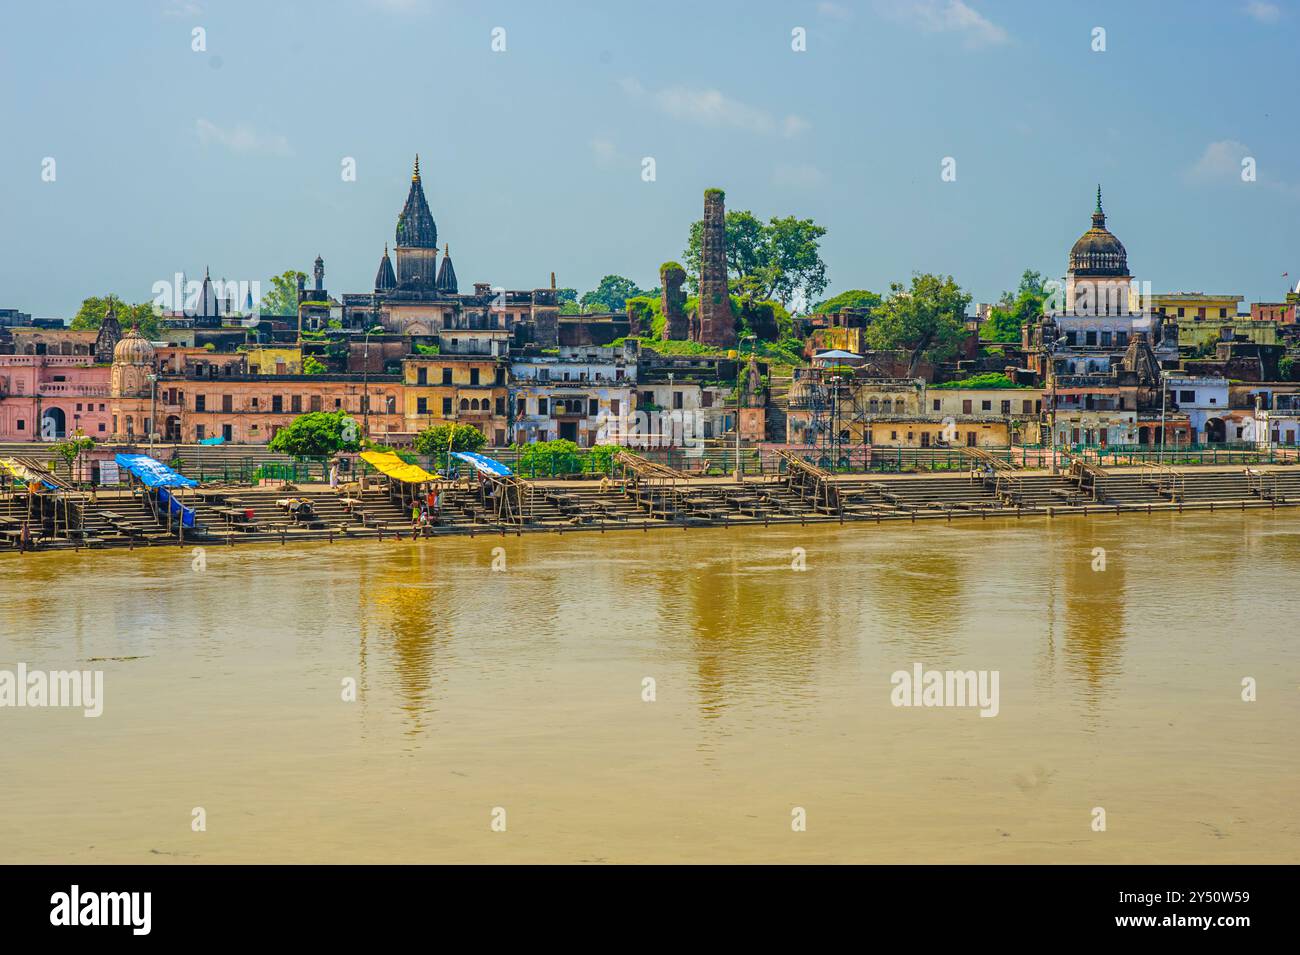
(739, 477)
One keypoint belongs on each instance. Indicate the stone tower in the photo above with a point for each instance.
(717, 323)
(673, 301)
(110, 333)
(417, 239)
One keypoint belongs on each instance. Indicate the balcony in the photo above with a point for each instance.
(61, 389)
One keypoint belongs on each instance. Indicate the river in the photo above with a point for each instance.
(518, 698)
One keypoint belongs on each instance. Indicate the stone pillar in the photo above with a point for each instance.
(717, 323)
(671, 277)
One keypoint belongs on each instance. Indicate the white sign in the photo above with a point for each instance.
(108, 473)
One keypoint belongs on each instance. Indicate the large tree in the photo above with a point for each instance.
(318, 433)
(282, 299)
(611, 294)
(91, 315)
(853, 298)
(1011, 313)
(926, 319)
(780, 259)
(461, 437)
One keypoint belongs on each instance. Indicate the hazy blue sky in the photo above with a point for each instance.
(170, 159)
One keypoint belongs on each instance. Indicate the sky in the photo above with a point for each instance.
(168, 158)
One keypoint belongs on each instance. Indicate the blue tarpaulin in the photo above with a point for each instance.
(215, 439)
(176, 507)
(152, 472)
(480, 463)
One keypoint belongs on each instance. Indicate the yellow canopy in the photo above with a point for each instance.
(386, 462)
(17, 470)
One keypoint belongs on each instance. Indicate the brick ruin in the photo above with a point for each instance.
(717, 323)
(671, 277)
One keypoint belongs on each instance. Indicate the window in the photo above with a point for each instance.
(295, 403)
(521, 406)
(1006, 407)
(677, 399)
(101, 426)
(967, 406)
(706, 399)
(1188, 396)
(277, 404)
(200, 432)
(22, 425)
(500, 406)
(986, 405)
(314, 403)
(227, 432)
(422, 375)
(937, 403)
(254, 403)
(446, 375)
(473, 376)
(227, 403)
(1105, 339)
(593, 406)
(613, 406)
(1090, 338)
(421, 405)
(1121, 338)
(446, 407)
(1026, 407)
(200, 402)
(541, 406)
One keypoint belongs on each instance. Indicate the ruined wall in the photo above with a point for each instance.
(671, 277)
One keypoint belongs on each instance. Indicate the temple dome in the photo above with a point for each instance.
(134, 349)
(1098, 251)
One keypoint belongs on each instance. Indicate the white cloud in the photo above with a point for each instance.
(946, 16)
(711, 107)
(241, 139)
(834, 11)
(182, 8)
(1221, 162)
(1263, 12)
(604, 151)
(800, 176)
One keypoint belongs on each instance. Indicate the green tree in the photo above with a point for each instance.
(283, 297)
(854, 298)
(927, 319)
(567, 299)
(1013, 311)
(72, 449)
(610, 295)
(311, 365)
(92, 311)
(463, 437)
(318, 433)
(780, 259)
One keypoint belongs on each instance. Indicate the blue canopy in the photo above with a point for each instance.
(153, 473)
(480, 463)
(215, 439)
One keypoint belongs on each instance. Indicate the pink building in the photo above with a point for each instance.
(47, 397)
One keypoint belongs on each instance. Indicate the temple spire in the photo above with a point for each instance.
(415, 176)
(1098, 196)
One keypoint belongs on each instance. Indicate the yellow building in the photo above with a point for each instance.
(264, 360)
(1201, 335)
(457, 389)
(1197, 306)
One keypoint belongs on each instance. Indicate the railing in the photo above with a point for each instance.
(1164, 479)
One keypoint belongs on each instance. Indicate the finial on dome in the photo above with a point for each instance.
(1099, 197)
(415, 177)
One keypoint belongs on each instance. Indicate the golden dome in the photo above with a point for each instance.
(134, 349)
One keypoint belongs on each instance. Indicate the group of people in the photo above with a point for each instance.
(425, 510)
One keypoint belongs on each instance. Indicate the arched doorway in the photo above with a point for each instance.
(54, 424)
(173, 428)
(1144, 435)
(1216, 431)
